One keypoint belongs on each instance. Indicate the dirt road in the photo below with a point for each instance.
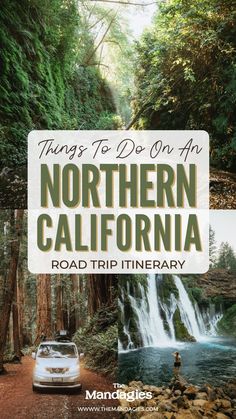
(17, 400)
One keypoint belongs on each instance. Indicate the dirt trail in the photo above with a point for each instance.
(17, 400)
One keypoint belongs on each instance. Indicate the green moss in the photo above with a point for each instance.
(133, 283)
(166, 287)
(98, 340)
(134, 332)
(44, 83)
(181, 333)
(165, 322)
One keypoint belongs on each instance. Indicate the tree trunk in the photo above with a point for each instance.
(74, 314)
(44, 321)
(82, 296)
(16, 337)
(21, 305)
(16, 228)
(65, 308)
(59, 310)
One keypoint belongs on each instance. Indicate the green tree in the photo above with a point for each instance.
(110, 49)
(226, 258)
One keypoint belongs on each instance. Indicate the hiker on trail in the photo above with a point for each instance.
(177, 363)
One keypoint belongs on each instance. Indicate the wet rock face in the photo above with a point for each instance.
(218, 283)
(181, 332)
(181, 401)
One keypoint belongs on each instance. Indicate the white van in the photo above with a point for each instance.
(57, 365)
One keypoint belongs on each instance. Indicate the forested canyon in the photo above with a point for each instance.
(76, 65)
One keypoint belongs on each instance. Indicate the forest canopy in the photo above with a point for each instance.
(186, 74)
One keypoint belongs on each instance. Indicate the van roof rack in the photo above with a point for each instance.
(62, 336)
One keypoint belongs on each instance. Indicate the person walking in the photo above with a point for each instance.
(177, 363)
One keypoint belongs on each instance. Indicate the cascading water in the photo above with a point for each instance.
(155, 324)
(154, 315)
(186, 308)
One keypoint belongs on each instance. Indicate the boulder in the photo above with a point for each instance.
(195, 413)
(212, 395)
(177, 393)
(151, 403)
(210, 406)
(233, 414)
(178, 384)
(199, 403)
(191, 392)
(166, 406)
(181, 402)
(228, 412)
(230, 389)
(206, 388)
(155, 390)
(136, 384)
(169, 415)
(152, 415)
(221, 416)
(226, 404)
(202, 396)
(184, 414)
(168, 392)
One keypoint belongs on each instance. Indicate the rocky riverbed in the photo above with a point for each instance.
(182, 400)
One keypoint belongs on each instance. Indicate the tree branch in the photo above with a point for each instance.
(102, 39)
(99, 20)
(138, 114)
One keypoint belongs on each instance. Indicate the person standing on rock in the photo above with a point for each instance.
(177, 363)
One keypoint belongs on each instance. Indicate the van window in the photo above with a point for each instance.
(56, 351)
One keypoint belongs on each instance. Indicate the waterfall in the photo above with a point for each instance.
(155, 324)
(154, 315)
(148, 316)
(208, 319)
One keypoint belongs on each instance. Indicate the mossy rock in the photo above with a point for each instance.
(181, 332)
(165, 322)
(135, 335)
(133, 280)
(166, 287)
(123, 339)
(227, 325)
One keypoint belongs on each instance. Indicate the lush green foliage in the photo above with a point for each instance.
(226, 258)
(98, 341)
(186, 73)
(181, 332)
(44, 81)
(227, 325)
(166, 287)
